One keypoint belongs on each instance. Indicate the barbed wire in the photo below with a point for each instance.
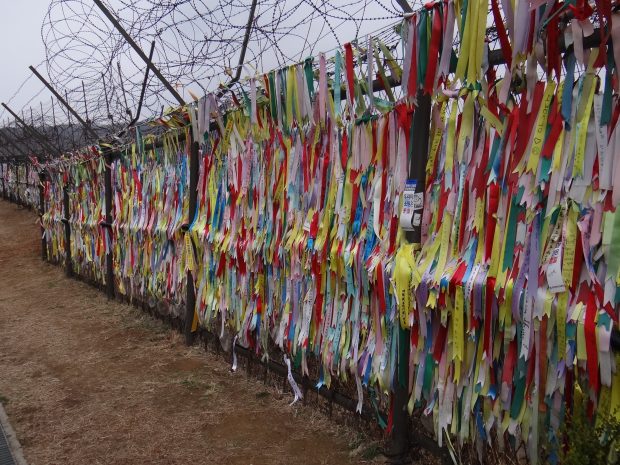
(197, 48)
(197, 44)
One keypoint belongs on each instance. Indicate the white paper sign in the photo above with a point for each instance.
(554, 271)
(411, 200)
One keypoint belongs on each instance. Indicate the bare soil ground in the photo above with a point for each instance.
(85, 380)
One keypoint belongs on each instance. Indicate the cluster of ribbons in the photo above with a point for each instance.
(31, 188)
(297, 240)
(20, 181)
(53, 214)
(83, 180)
(297, 224)
(515, 290)
(150, 205)
(89, 240)
(296, 235)
(7, 177)
(296, 228)
(511, 300)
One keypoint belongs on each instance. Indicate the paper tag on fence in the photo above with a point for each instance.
(554, 271)
(189, 253)
(412, 201)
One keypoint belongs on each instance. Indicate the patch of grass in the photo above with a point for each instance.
(136, 320)
(371, 452)
(262, 395)
(4, 399)
(192, 383)
(210, 390)
(591, 441)
(364, 449)
(151, 324)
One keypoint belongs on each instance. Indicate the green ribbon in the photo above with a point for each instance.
(246, 102)
(282, 110)
(422, 46)
(511, 235)
(272, 95)
(309, 75)
(429, 370)
(608, 91)
(614, 247)
(337, 82)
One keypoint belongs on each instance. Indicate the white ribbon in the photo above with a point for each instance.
(360, 393)
(291, 381)
(408, 57)
(448, 39)
(253, 115)
(234, 353)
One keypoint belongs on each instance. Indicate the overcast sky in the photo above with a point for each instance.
(20, 46)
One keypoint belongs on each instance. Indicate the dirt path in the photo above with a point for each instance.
(87, 381)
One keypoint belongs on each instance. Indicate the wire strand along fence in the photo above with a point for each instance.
(449, 249)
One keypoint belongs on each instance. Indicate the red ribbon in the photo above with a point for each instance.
(488, 316)
(526, 121)
(590, 335)
(553, 45)
(493, 200)
(433, 52)
(463, 219)
(380, 288)
(354, 194)
(348, 58)
(344, 154)
(501, 33)
(554, 133)
(440, 343)
(138, 184)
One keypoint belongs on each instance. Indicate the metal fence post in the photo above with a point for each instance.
(26, 180)
(400, 440)
(65, 220)
(11, 192)
(41, 213)
(190, 299)
(109, 157)
(2, 174)
(17, 197)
